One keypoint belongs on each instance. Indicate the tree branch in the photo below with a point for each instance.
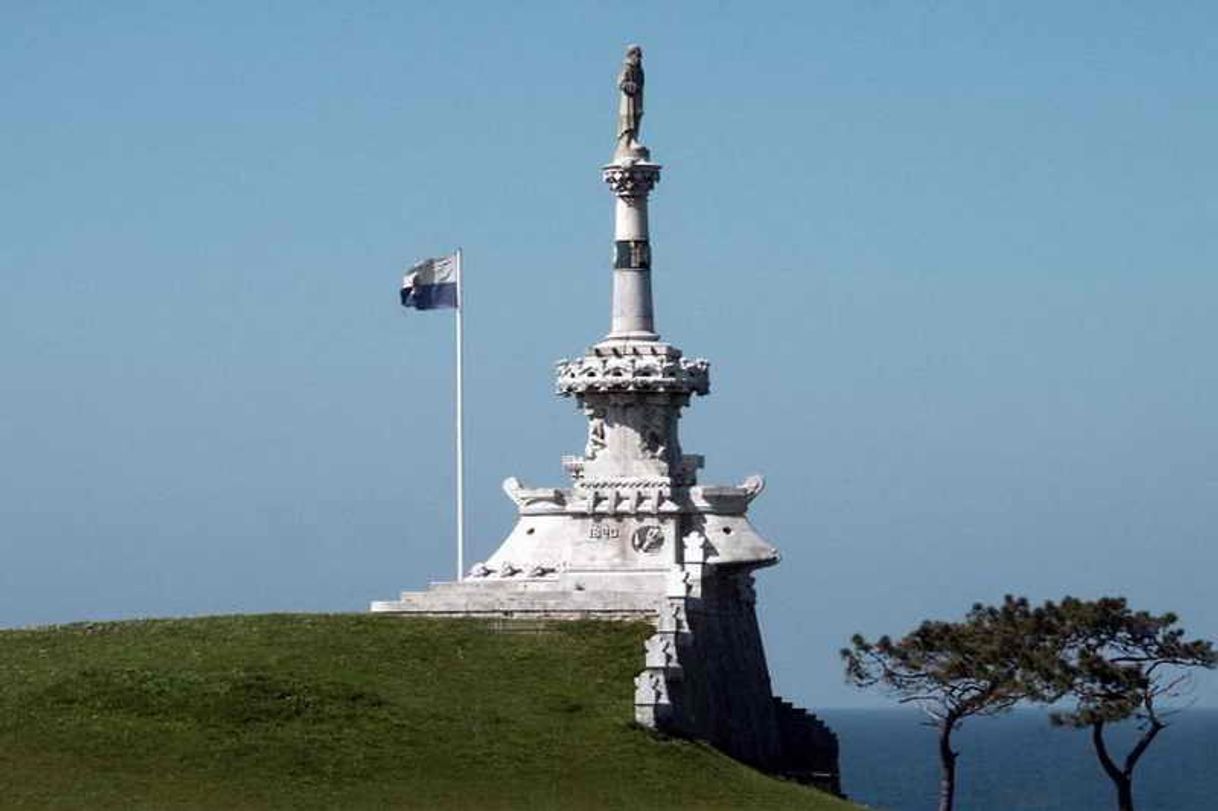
(1131, 759)
(1101, 749)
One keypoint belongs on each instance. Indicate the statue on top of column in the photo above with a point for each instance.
(630, 104)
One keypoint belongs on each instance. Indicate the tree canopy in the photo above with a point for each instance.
(1108, 662)
(983, 665)
(1116, 664)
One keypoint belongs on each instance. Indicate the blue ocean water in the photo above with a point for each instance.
(1018, 762)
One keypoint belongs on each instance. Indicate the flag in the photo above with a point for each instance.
(432, 284)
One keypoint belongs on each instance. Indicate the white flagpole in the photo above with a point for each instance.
(460, 426)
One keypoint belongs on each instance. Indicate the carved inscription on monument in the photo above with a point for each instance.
(603, 532)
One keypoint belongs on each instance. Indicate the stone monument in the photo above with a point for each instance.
(635, 536)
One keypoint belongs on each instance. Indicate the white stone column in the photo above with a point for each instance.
(633, 317)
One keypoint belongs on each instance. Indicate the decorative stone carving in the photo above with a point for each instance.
(533, 497)
(655, 431)
(596, 433)
(648, 538)
(729, 499)
(627, 483)
(594, 374)
(660, 651)
(633, 180)
(694, 547)
(650, 689)
(753, 485)
(631, 496)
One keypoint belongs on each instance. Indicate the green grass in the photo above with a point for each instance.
(346, 712)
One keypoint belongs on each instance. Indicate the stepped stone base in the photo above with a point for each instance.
(589, 594)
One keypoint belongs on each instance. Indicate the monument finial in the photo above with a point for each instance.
(630, 105)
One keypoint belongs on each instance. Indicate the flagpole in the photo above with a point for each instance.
(460, 424)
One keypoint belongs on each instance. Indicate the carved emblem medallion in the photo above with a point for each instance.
(648, 539)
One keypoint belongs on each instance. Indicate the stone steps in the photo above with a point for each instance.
(810, 748)
(505, 598)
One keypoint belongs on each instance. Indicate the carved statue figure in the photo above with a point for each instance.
(630, 104)
(655, 432)
(596, 435)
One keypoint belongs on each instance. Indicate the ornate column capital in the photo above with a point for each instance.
(631, 179)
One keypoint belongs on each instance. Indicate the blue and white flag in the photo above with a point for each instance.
(432, 284)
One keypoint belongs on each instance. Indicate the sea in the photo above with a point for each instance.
(1019, 762)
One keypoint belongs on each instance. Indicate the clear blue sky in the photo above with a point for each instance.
(955, 266)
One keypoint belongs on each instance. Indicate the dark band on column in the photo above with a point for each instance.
(632, 253)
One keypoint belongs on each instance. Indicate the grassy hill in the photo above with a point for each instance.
(347, 711)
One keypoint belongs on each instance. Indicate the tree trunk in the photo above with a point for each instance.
(947, 767)
(1121, 778)
(1125, 794)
